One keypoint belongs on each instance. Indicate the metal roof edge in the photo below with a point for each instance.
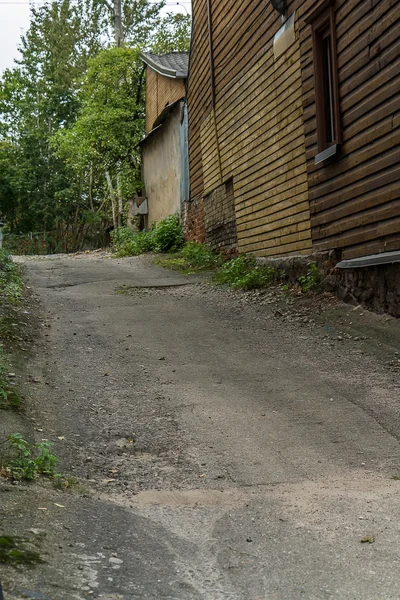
(162, 70)
(372, 260)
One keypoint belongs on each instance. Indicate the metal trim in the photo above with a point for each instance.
(372, 260)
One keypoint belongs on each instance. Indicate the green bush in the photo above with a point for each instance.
(165, 236)
(30, 460)
(168, 235)
(200, 256)
(10, 279)
(311, 282)
(244, 273)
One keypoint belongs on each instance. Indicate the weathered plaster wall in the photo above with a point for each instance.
(162, 169)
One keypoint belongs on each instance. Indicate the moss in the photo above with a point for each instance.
(13, 552)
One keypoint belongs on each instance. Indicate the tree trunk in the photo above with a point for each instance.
(90, 191)
(112, 196)
(119, 36)
(120, 203)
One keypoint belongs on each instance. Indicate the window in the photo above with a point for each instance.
(322, 21)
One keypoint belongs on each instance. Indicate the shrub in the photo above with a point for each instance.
(244, 273)
(200, 256)
(165, 236)
(30, 460)
(10, 279)
(311, 282)
(126, 242)
(168, 235)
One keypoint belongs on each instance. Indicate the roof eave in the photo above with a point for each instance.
(162, 70)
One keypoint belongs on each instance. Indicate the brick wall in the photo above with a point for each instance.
(193, 220)
(220, 222)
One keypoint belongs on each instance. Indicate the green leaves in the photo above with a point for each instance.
(30, 460)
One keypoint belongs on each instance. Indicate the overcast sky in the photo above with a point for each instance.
(14, 20)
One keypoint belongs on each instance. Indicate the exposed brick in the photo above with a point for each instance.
(193, 220)
(220, 221)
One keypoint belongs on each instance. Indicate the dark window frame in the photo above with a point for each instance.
(322, 21)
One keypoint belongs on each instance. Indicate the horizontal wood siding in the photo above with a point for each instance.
(160, 91)
(199, 93)
(259, 125)
(355, 200)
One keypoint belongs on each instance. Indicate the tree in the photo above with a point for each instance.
(132, 21)
(71, 111)
(172, 35)
(106, 133)
(38, 97)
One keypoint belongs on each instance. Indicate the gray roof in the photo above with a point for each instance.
(174, 64)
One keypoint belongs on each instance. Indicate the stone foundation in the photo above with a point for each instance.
(375, 288)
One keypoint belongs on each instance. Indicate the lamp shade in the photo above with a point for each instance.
(280, 6)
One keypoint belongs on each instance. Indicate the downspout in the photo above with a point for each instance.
(212, 81)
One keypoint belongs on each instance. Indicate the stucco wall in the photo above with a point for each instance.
(162, 169)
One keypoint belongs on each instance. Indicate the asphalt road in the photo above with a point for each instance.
(214, 451)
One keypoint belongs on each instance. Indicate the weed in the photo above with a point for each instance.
(311, 282)
(165, 236)
(11, 286)
(200, 256)
(168, 235)
(9, 397)
(244, 273)
(193, 257)
(30, 460)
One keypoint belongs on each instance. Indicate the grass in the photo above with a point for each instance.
(244, 273)
(11, 286)
(193, 258)
(10, 398)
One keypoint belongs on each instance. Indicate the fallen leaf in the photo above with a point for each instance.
(368, 539)
(61, 437)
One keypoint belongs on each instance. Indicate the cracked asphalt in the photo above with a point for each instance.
(215, 451)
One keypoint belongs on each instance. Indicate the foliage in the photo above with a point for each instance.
(311, 282)
(165, 236)
(200, 256)
(30, 460)
(38, 97)
(11, 286)
(14, 552)
(9, 397)
(126, 242)
(244, 273)
(168, 235)
(71, 115)
(173, 34)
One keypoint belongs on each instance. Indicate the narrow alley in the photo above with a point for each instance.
(216, 450)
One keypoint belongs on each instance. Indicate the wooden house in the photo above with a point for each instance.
(164, 148)
(294, 126)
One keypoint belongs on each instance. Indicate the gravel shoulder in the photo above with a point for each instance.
(221, 445)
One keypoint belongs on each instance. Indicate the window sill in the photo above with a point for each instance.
(326, 154)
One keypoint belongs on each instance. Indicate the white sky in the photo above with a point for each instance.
(14, 20)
